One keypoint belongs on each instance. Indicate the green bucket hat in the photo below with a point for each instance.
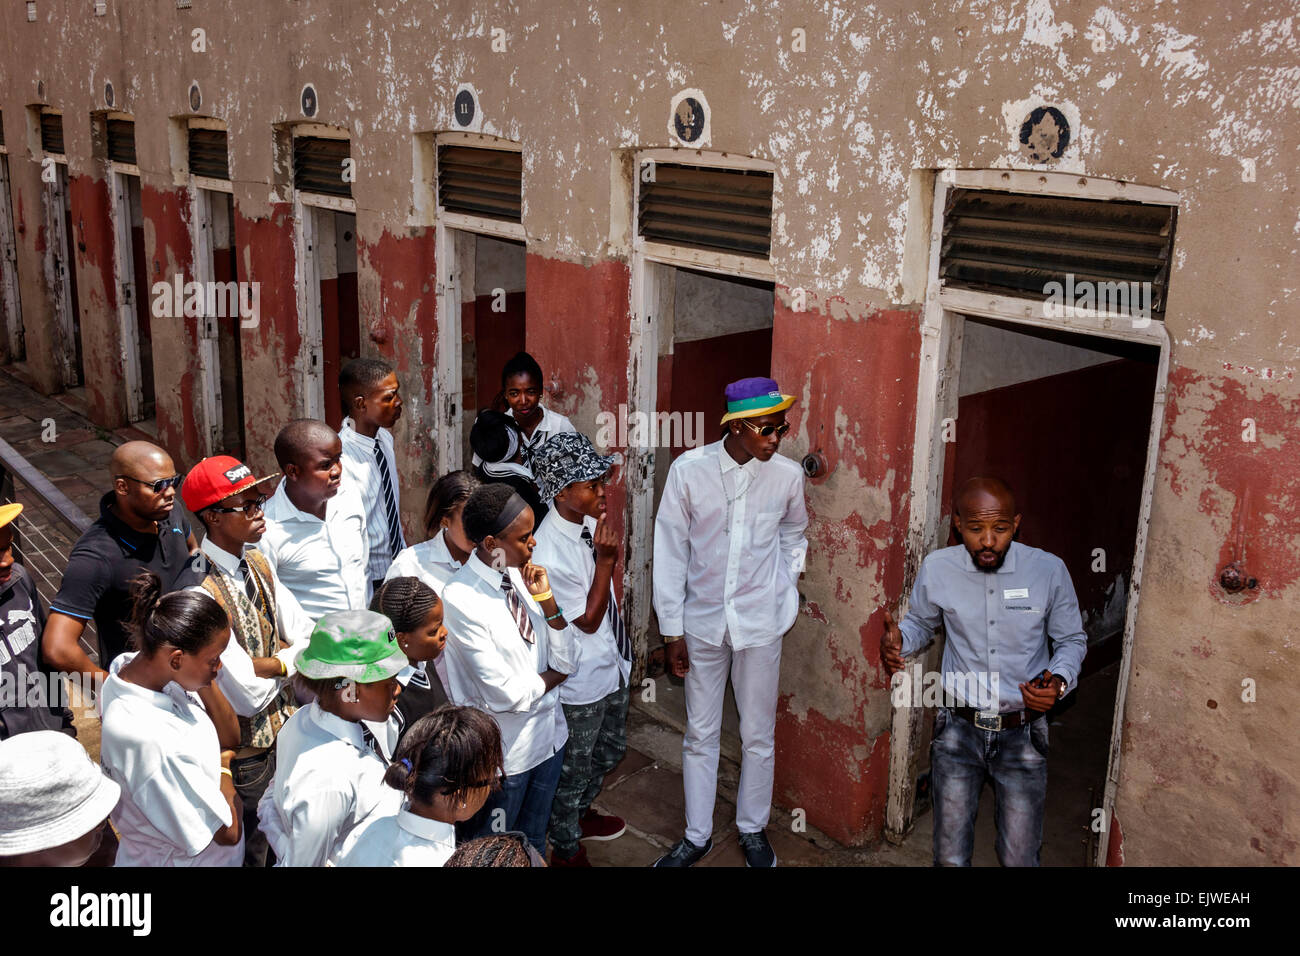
(358, 644)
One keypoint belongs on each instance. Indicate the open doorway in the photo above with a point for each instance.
(220, 353)
(1061, 283)
(492, 319)
(62, 276)
(1065, 420)
(334, 250)
(11, 315)
(133, 310)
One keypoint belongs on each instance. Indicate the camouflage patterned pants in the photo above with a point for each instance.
(597, 740)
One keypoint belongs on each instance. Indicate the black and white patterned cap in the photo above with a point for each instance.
(567, 458)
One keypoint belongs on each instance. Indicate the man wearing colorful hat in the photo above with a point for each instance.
(25, 704)
(728, 549)
(266, 623)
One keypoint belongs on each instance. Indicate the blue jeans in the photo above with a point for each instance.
(962, 758)
(525, 800)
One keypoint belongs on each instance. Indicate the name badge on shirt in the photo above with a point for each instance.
(1009, 594)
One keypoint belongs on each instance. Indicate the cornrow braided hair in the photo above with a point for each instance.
(499, 849)
(406, 602)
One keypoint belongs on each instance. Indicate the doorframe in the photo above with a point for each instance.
(943, 316)
(10, 296)
(127, 294)
(653, 265)
(450, 232)
(59, 264)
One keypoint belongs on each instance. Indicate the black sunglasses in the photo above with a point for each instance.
(251, 507)
(158, 486)
(767, 430)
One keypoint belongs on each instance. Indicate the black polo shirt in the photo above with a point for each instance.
(96, 583)
(25, 701)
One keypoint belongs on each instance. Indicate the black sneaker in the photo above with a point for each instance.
(685, 853)
(758, 852)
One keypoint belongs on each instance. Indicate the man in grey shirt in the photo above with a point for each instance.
(1015, 643)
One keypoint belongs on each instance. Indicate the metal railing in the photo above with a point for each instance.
(45, 532)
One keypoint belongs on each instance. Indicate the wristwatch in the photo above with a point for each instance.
(1060, 688)
(671, 640)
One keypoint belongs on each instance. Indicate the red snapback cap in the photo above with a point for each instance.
(215, 478)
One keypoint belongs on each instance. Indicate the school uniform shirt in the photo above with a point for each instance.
(552, 423)
(739, 576)
(399, 839)
(327, 781)
(571, 567)
(96, 582)
(493, 668)
(322, 564)
(247, 693)
(162, 750)
(26, 704)
(1010, 623)
(432, 563)
(361, 469)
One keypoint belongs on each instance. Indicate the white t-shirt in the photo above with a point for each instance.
(326, 782)
(162, 750)
(399, 839)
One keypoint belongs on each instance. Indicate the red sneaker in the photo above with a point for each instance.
(578, 859)
(598, 826)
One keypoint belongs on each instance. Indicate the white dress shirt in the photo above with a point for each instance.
(571, 567)
(162, 750)
(399, 839)
(327, 781)
(247, 693)
(361, 470)
(432, 563)
(713, 576)
(323, 564)
(493, 668)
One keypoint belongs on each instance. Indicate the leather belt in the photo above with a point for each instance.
(1000, 722)
(247, 753)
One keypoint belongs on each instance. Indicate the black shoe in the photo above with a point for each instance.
(685, 853)
(758, 852)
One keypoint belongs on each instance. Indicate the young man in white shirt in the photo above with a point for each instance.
(508, 651)
(316, 529)
(372, 402)
(579, 550)
(267, 627)
(728, 549)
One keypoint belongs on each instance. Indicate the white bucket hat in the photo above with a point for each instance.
(51, 792)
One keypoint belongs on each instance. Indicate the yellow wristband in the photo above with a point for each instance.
(544, 596)
(226, 771)
(284, 668)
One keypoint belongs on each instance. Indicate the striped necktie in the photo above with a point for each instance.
(518, 611)
(369, 740)
(623, 642)
(390, 506)
(254, 591)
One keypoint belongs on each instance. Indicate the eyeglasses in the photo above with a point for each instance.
(158, 486)
(768, 430)
(252, 507)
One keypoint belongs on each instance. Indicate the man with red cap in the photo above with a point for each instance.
(266, 624)
(728, 548)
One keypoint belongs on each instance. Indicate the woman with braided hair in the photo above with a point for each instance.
(416, 613)
(446, 765)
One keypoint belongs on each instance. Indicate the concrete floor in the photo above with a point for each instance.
(646, 788)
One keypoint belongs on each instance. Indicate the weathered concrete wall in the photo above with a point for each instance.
(1196, 98)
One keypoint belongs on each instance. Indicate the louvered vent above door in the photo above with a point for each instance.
(52, 132)
(318, 165)
(208, 155)
(121, 141)
(725, 209)
(481, 182)
(1016, 244)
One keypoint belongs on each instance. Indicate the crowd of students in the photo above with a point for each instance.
(303, 687)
